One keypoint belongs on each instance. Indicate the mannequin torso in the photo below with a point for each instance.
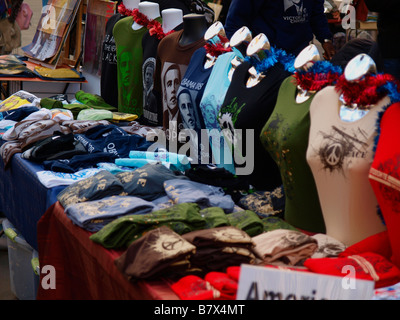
(131, 4)
(194, 28)
(150, 9)
(239, 43)
(171, 18)
(257, 49)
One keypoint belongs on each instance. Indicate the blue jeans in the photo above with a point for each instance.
(392, 66)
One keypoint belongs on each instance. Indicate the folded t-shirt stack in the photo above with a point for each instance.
(181, 191)
(284, 247)
(101, 185)
(79, 162)
(273, 223)
(25, 133)
(327, 246)
(158, 253)
(247, 221)
(121, 232)
(18, 114)
(192, 287)
(215, 217)
(232, 185)
(57, 146)
(94, 215)
(219, 248)
(147, 182)
(81, 126)
(110, 138)
(265, 203)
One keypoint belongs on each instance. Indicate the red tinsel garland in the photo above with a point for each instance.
(140, 18)
(124, 10)
(364, 92)
(219, 48)
(154, 27)
(315, 81)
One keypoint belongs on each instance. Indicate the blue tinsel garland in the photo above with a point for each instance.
(322, 66)
(273, 56)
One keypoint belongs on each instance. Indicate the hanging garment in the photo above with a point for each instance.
(285, 137)
(340, 154)
(384, 177)
(248, 109)
(129, 63)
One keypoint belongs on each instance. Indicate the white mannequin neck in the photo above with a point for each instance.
(171, 18)
(131, 4)
(150, 9)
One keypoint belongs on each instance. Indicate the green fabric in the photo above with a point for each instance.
(49, 103)
(75, 108)
(246, 220)
(93, 100)
(274, 223)
(181, 218)
(129, 61)
(285, 137)
(94, 114)
(215, 217)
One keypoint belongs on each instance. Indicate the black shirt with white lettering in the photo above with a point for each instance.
(109, 80)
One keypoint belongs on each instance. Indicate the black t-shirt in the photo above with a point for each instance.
(250, 108)
(152, 105)
(109, 80)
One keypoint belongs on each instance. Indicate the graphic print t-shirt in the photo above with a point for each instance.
(285, 137)
(340, 154)
(248, 109)
(152, 108)
(189, 96)
(171, 65)
(109, 77)
(211, 102)
(129, 62)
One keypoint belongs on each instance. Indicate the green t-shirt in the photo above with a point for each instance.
(129, 65)
(285, 137)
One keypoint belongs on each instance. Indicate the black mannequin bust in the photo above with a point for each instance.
(194, 28)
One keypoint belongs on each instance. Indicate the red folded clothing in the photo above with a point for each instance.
(233, 272)
(367, 266)
(378, 243)
(223, 283)
(194, 288)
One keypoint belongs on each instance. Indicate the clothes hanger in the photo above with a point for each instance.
(303, 62)
(214, 35)
(356, 69)
(257, 48)
(239, 43)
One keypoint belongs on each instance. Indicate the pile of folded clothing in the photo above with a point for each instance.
(219, 248)
(158, 253)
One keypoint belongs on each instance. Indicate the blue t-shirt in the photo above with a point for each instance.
(213, 97)
(189, 95)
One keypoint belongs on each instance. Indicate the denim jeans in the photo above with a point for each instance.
(392, 66)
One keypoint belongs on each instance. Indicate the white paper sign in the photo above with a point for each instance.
(265, 283)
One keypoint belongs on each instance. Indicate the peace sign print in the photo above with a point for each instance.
(171, 245)
(334, 154)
